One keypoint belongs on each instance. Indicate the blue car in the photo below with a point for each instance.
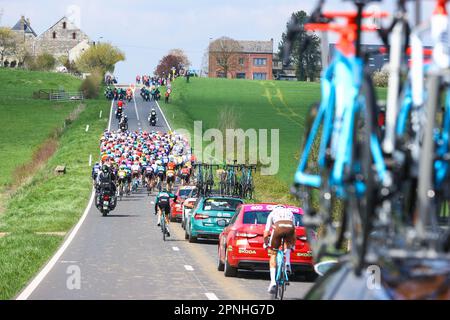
(210, 216)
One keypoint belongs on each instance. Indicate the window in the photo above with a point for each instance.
(74, 36)
(260, 217)
(259, 76)
(218, 204)
(241, 61)
(240, 75)
(54, 35)
(64, 25)
(259, 61)
(220, 61)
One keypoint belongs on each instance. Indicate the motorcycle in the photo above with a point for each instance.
(129, 97)
(106, 202)
(152, 119)
(119, 114)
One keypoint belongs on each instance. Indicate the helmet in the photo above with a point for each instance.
(105, 168)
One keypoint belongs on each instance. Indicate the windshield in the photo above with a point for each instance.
(260, 217)
(214, 204)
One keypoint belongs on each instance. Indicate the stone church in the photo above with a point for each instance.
(64, 38)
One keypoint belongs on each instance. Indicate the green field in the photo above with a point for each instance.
(26, 123)
(43, 209)
(256, 104)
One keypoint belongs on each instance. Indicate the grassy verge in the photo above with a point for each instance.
(27, 123)
(49, 202)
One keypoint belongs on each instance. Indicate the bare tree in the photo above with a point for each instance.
(7, 43)
(183, 57)
(224, 51)
(205, 64)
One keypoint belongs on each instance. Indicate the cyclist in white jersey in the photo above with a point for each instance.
(282, 222)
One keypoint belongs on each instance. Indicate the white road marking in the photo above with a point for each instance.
(110, 115)
(211, 296)
(188, 267)
(168, 125)
(175, 249)
(135, 107)
(24, 295)
(153, 202)
(87, 128)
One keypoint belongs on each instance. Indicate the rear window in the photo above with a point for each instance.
(184, 193)
(260, 217)
(213, 204)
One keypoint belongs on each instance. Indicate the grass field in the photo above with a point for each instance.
(255, 104)
(279, 105)
(26, 123)
(45, 208)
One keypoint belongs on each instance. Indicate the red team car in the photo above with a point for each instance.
(241, 242)
(176, 208)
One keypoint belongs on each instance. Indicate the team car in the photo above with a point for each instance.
(241, 243)
(209, 217)
(182, 193)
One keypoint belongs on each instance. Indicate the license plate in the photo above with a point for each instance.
(106, 203)
(222, 222)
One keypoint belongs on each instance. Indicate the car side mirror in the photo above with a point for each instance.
(323, 267)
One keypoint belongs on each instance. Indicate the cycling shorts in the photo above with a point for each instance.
(282, 229)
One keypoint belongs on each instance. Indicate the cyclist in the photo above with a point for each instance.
(185, 175)
(170, 174)
(162, 202)
(95, 171)
(160, 171)
(148, 172)
(121, 176)
(281, 221)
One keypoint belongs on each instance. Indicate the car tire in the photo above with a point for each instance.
(191, 238)
(220, 265)
(229, 271)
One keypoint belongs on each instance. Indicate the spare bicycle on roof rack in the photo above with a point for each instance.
(376, 194)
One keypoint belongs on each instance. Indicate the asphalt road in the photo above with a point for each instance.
(123, 256)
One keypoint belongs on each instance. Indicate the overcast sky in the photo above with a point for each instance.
(147, 29)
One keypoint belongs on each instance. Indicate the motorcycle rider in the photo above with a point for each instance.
(105, 184)
(123, 124)
(162, 202)
(152, 117)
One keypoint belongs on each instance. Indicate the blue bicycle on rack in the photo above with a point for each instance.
(349, 161)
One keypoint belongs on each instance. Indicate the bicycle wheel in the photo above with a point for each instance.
(362, 195)
(163, 226)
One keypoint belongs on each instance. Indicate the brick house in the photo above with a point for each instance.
(252, 61)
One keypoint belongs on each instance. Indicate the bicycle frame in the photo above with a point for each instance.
(341, 84)
(281, 277)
